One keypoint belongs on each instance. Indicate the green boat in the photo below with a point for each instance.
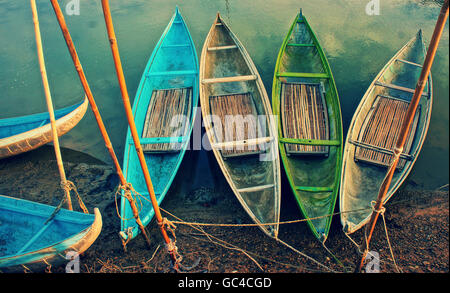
(305, 97)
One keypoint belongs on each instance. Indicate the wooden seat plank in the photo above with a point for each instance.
(230, 79)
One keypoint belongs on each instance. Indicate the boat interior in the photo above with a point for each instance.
(167, 110)
(304, 116)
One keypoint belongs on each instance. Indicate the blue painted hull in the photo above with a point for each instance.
(21, 134)
(173, 64)
(24, 238)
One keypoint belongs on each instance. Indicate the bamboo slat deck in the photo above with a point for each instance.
(304, 116)
(232, 110)
(164, 107)
(381, 129)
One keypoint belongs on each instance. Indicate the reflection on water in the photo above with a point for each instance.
(227, 8)
(357, 46)
(435, 2)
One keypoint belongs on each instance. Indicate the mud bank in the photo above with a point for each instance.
(417, 222)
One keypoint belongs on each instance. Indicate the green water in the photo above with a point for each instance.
(357, 46)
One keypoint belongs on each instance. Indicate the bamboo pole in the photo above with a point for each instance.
(134, 134)
(48, 98)
(440, 24)
(98, 118)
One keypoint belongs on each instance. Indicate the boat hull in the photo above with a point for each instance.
(23, 134)
(24, 220)
(360, 182)
(314, 178)
(226, 70)
(172, 65)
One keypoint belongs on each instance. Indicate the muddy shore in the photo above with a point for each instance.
(417, 222)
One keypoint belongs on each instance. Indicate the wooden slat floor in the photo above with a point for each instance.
(381, 128)
(304, 116)
(236, 106)
(164, 106)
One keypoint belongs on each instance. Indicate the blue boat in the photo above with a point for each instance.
(164, 110)
(29, 236)
(25, 133)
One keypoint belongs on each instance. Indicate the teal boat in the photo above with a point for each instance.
(305, 97)
(25, 133)
(164, 111)
(26, 238)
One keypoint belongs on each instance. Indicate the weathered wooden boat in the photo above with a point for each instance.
(374, 130)
(239, 125)
(30, 236)
(22, 134)
(305, 97)
(164, 110)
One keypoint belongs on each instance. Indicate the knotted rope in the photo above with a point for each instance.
(172, 245)
(170, 226)
(68, 186)
(131, 195)
(381, 211)
(366, 251)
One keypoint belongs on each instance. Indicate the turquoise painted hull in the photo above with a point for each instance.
(173, 64)
(17, 125)
(25, 133)
(24, 239)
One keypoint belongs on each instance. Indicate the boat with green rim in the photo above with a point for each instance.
(305, 98)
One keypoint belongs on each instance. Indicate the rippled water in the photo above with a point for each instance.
(357, 46)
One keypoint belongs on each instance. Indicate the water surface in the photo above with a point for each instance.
(357, 46)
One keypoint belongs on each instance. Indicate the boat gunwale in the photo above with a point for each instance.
(268, 111)
(338, 120)
(43, 133)
(128, 146)
(78, 242)
(409, 165)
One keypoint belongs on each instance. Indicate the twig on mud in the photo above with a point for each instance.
(153, 255)
(231, 247)
(108, 267)
(210, 262)
(270, 260)
(442, 187)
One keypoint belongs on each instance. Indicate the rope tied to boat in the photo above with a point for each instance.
(367, 251)
(57, 209)
(380, 211)
(48, 269)
(69, 186)
(129, 233)
(171, 247)
(130, 194)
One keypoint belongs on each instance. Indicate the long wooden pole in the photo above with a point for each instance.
(129, 114)
(440, 24)
(98, 118)
(48, 98)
